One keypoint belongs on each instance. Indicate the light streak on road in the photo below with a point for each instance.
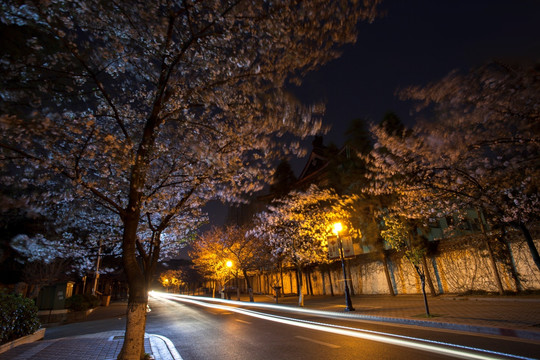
(454, 350)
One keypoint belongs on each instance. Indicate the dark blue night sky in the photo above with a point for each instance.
(416, 42)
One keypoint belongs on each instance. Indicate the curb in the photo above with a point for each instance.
(488, 330)
(163, 348)
(38, 335)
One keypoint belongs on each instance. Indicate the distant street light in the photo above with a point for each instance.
(337, 228)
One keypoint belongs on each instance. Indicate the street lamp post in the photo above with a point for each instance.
(348, 302)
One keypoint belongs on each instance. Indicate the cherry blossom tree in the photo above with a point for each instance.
(70, 240)
(154, 108)
(480, 150)
(246, 252)
(297, 226)
(171, 279)
(209, 255)
(404, 237)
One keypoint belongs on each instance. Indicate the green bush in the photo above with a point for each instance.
(18, 317)
(82, 302)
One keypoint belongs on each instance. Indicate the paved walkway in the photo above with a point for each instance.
(97, 346)
(516, 316)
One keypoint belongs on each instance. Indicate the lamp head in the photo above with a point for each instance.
(337, 228)
(229, 263)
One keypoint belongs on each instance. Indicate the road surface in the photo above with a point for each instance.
(207, 330)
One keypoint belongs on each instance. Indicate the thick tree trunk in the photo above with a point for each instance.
(512, 265)
(532, 247)
(387, 274)
(492, 260)
(133, 346)
(428, 277)
(493, 263)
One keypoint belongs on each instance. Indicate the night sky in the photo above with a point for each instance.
(417, 42)
(414, 43)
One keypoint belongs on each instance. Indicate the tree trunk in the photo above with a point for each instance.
(494, 266)
(133, 346)
(35, 289)
(323, 282)
(248, 284)
(330, 282)
(387, 274)
(308, 278)
(299, 286)
(237, 287)
(281, 278)
(428, 277)
(530, 243)
(423, 282)
(491, 256)
(512, 266)
(290, 282)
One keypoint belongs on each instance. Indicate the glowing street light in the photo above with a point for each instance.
(229, 265)
(337, 228)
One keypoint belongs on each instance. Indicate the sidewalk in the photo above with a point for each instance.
(97, 346)
(514, 316)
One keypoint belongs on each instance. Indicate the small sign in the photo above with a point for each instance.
(348, 248)
(333, 247)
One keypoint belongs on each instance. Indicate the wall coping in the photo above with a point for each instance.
(38, 335)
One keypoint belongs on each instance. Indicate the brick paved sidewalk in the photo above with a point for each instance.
(100, 346)
(505, 313)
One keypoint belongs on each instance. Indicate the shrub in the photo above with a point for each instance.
(82, 302)
(18, 317)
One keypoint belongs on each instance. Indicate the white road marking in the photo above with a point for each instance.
(319, 342)
(243, 321)
(454, 350)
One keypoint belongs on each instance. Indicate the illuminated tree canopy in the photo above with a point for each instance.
(478, 148)
(154, 108)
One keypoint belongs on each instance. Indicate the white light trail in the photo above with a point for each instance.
(453, 350)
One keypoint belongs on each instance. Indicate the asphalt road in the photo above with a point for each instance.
(213, 331)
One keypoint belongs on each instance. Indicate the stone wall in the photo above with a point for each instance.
(454, 269)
